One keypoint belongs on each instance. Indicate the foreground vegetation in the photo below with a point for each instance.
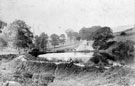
(30, 73)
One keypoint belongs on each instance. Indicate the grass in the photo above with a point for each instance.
(112, 77)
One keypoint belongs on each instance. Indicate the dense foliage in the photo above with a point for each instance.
(24, 36)
(54, 39)
(124, 51)
(72, 35)
(62, 38)
(87, 33)
(111, 50)
(41, 42)
(101, 37)
(121, 52)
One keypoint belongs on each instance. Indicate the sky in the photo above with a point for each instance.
(56, 16)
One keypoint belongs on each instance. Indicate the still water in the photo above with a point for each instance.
(67, 56)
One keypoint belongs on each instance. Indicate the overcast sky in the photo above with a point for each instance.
(55, 16)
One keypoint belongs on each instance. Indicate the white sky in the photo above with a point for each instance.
(55, 16)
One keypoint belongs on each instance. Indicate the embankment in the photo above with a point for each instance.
(66, 74)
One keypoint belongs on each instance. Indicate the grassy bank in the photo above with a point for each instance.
(66, 74)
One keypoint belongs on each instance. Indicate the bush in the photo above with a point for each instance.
(124, 51)
(122, 33)
(30, 57)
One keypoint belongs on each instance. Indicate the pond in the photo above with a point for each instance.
(67, 56)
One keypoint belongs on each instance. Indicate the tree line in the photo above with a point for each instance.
(19, 35)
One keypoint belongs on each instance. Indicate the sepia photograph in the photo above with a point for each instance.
(67, 42)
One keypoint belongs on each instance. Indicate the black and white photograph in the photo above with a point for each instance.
(67, 42)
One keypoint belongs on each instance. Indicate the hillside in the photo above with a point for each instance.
(121, 28)
(129, 34)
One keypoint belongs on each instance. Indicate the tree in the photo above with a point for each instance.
(62, 38)
(78, 38)
(69, 33)
(72, 35)
(103, 33)
(101, 37)
(54, 39)
(123, 50)
(75, 35)
(37, 42)
(87, 33)
(23, 36)
(43, 42)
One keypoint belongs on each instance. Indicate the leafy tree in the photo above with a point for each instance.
(111, 50)
(78, 38)
(10, 33)
(23, 35)
(72, 35)
(84, 34)
(123, 50)
(54, 39)
(37, 42)
(43, 41)
(87, 33)
(103, 33)
(69, 33)
(75, 35)
(101, 37)
(62, 38)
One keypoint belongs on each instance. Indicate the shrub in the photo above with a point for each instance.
(30, 57)
(123, 33)
(124, 50)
